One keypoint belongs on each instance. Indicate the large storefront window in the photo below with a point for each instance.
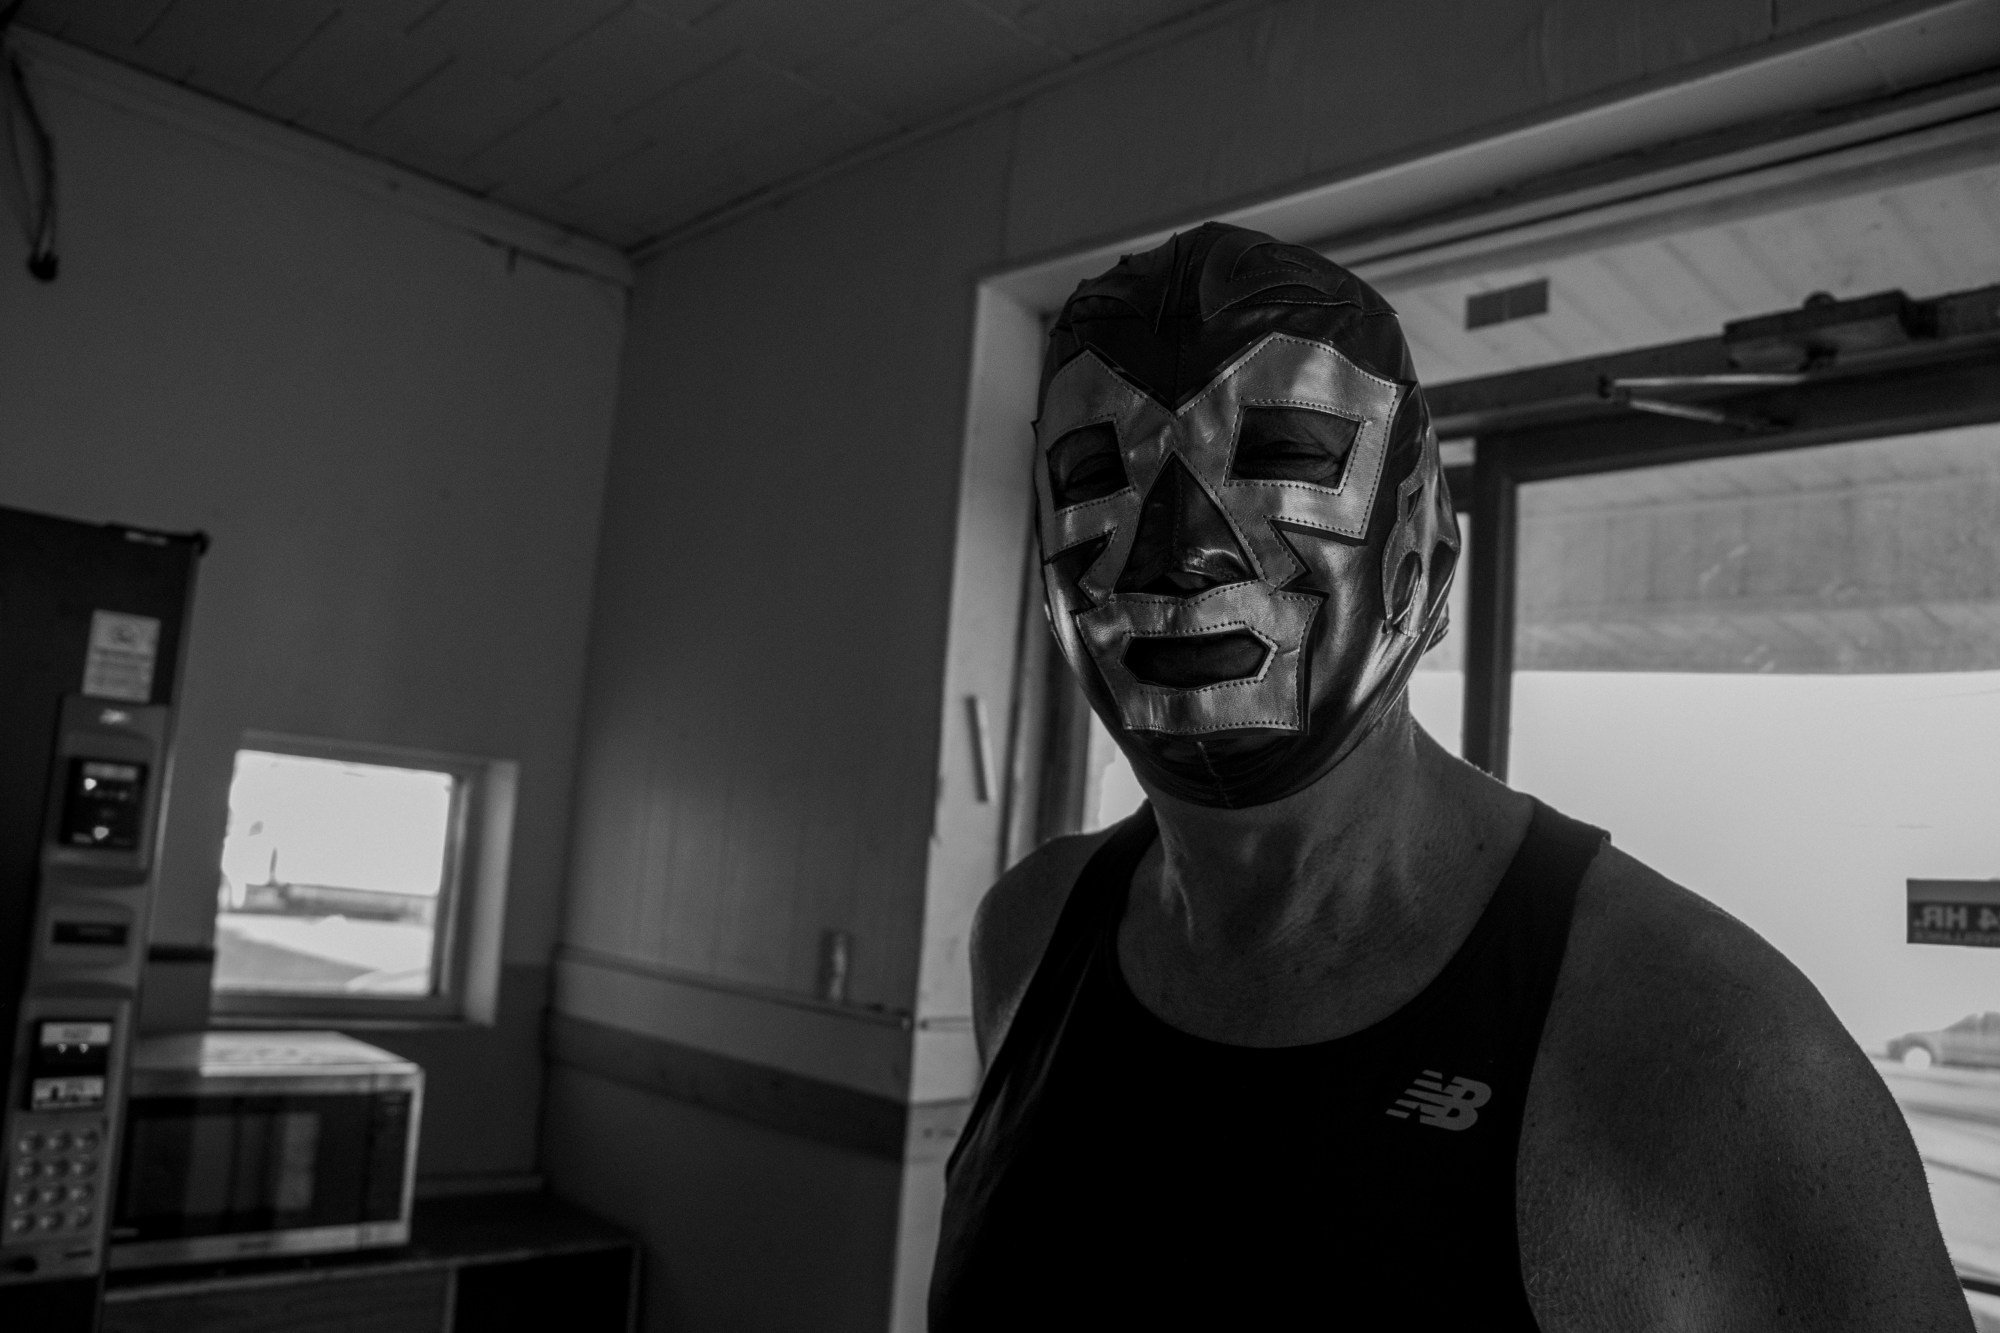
(1776, 678)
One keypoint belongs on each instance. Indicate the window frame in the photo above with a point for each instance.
(1528, 426)
(464, 941)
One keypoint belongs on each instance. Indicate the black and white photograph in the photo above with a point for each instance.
(991, 666)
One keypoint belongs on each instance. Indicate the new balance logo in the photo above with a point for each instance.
(1443, 1106)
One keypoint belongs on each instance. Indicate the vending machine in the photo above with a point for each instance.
(92, 635)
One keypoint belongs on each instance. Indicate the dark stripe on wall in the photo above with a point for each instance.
(791, 1103)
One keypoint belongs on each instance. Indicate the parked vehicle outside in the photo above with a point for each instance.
(1973, 1040)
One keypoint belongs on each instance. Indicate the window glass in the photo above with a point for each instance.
(1776, 678)
(1437, 686)
(1111, 790)
(334, 874)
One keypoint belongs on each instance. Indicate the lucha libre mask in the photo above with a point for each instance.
(1245, 532)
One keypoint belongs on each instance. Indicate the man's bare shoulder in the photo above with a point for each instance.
(1012, 928)
(1638, 939)
(1706, 1143)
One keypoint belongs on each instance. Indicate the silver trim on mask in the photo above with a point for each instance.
(1279, 370)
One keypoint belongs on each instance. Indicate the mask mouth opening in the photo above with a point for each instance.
(1190, 661)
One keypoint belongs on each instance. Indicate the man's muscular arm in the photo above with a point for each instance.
(1706, 1147)
(1012, 928)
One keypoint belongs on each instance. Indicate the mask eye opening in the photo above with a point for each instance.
(1292, 444)
(1086, 464)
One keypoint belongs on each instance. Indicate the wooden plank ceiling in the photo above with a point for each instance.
(623, 119)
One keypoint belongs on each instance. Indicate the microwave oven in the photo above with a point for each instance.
(240, 1144)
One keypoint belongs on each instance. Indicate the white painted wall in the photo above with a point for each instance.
(395, 433)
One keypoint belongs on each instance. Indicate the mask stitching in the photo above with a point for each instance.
(1100, 501)
(1210, 594)
(1277, 723)
(1110, 416)
(1081, 541)
(1222, 377)
(1256, 349)
(1209, 766)
(1220, 627)
(1242, 362)
(1286, 485)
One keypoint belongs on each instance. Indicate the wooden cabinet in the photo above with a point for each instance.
(476, 1265)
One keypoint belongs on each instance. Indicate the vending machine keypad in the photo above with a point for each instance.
(55, 1179)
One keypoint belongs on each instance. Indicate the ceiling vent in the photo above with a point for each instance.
(1516, 302)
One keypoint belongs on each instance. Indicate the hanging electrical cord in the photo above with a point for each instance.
(41, 202)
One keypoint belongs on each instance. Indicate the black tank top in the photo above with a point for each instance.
(1119, 1173)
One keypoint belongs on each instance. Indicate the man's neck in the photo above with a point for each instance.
(1356, 889)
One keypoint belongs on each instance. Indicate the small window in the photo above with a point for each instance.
(344, 876)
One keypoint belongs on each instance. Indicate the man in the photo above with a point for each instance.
(1338, 1032)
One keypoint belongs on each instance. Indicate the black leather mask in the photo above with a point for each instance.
(1245, 531)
